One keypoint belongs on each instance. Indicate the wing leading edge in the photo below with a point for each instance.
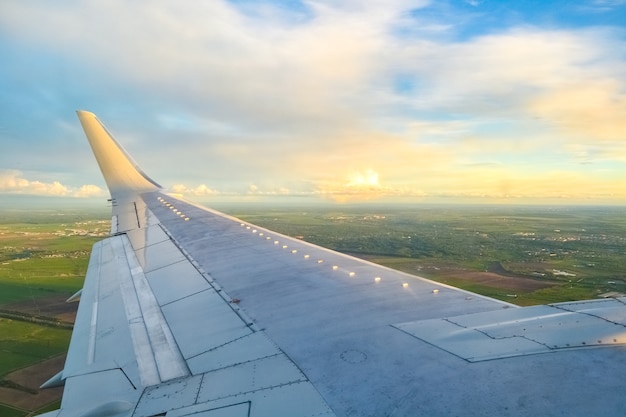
(187, 311)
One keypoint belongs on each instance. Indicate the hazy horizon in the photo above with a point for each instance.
(38, 203)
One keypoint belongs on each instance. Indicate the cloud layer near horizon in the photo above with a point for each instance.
(13, 182)
(300, 100)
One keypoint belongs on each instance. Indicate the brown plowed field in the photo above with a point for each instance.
(53, 306)
(32, 377)
(35, 375)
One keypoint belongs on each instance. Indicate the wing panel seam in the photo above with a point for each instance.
(220, 291)
(167, 355)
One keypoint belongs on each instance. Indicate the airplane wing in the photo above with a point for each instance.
(186, 311)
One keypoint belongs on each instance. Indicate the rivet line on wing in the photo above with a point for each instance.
(276, 242)
(173, 209)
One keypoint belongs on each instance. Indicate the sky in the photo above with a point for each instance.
(460, 101)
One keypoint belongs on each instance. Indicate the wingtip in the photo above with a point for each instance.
(121, 172)
(56, 381)
(84, 113)
(75, 297)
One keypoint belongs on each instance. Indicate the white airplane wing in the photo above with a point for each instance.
(186, 311)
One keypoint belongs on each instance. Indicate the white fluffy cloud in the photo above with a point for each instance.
(12, 182)
(200, 191)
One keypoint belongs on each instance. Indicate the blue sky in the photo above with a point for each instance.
(420, 101)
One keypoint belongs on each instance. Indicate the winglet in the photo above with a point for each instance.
(121, 172)
(75, 297)
(56, 381)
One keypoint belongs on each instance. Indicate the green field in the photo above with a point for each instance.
(577, 251)
(24, 343)
(43, 253)
(6, 411)
(38, 277)
(43, 257)
(572, 253)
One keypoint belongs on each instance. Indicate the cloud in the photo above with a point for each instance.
(274, 72)
(304, 100)
(606, 5)
(592, 111)
(255, 190)
(503, 70)
(87, 191)
(200, 191)
(369, 179)
(11, 182)
(326, 72)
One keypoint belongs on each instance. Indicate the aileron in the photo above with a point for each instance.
(527, 331)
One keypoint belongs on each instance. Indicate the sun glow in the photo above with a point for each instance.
(357, 186)
(368, 178)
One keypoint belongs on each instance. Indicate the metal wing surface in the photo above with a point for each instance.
(188, 311)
